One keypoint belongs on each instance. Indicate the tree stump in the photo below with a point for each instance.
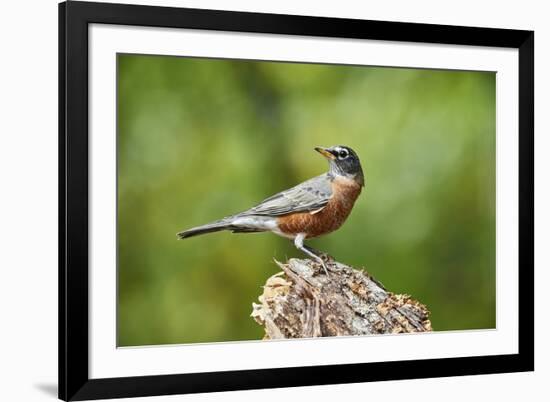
(302, 302)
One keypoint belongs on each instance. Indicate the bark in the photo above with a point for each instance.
(302, 302)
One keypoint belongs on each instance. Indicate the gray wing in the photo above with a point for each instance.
(311, 195)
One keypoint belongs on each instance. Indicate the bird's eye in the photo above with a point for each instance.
(343, 154)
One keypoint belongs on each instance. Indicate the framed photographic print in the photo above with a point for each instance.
(377, 177)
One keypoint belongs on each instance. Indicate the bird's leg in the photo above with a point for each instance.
(322, 254)
(299, 243)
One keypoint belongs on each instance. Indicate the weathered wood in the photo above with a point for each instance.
(301, 302)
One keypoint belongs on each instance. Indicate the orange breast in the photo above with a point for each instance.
(330, 218)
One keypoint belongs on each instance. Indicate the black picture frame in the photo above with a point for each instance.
(74, 18)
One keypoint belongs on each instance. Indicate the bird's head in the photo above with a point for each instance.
(343, 161)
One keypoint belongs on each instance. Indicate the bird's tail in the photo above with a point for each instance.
(208, 228)
(223, 224)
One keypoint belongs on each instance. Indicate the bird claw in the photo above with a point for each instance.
(324, 265)
(325, 260)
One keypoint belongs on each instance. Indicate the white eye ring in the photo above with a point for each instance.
(343, 153)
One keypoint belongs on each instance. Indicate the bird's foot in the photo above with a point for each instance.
(321, 254)
(324, 265)
(315, 254)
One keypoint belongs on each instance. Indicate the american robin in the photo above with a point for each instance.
(313, 208)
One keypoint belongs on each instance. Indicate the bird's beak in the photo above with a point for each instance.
(326, 153)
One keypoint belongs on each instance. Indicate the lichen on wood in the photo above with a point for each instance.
(302, 302)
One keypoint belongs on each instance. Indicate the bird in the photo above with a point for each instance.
(310, 209)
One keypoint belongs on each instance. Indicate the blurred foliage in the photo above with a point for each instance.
(199, 139)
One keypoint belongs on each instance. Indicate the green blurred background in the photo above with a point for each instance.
(199, 139)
